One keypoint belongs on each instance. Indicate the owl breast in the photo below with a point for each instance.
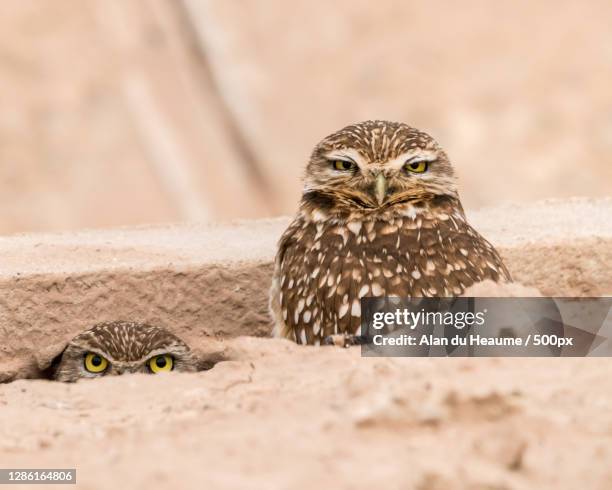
(324, 268)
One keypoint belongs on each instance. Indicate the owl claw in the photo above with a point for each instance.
(344, 340)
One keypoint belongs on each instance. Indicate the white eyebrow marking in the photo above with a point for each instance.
(347, 154)
(416, 155)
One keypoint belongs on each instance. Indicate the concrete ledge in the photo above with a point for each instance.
(211, 281)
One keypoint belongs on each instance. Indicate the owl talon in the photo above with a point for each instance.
(344, 340)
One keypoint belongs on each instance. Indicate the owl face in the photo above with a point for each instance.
(120, 348)
(377, 164)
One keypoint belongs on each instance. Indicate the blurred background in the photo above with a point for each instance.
(120, 112)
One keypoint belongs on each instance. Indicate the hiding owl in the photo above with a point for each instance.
(123, 347)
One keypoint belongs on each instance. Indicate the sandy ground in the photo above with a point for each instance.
(276, 415)
(296, 417)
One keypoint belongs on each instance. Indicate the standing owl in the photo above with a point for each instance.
(380, 216)
(123, 347)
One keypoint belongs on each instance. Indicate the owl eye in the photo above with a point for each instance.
(161, 364)
(343, 165)
(95, 363)
(416, 167)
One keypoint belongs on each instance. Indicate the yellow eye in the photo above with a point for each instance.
(161, 364)
(416, 167)
(343, 165)
(95, 363)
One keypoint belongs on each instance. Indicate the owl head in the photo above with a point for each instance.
(375, 165)
(123, 347)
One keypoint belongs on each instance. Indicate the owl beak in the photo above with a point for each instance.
(380, 188)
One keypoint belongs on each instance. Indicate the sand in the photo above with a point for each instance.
(277, 415)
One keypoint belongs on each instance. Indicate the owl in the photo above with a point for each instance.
(380, 215)
(123, 347)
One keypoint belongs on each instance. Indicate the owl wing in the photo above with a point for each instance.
(444, 257)
(288, 239)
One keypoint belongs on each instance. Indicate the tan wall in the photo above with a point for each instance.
(205, 282)
(137, 111)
